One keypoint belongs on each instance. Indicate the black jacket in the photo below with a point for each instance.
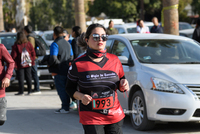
(76, 49)
(156, 29)
(196, 34)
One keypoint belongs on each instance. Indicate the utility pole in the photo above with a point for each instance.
(1, 16)
(80, 14)
(170, 17)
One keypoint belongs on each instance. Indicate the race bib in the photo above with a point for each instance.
(102, 100)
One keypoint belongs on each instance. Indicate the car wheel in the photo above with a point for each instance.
(52, 86)
(139, 113)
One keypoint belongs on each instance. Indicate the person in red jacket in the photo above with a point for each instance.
(20, 43)
(5, 75)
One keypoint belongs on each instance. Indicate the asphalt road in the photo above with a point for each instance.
(35, 115)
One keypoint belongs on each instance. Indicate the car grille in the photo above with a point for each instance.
(195, 89)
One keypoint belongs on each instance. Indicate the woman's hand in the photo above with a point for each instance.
(5, 82)
(124, 86)
(86, 99)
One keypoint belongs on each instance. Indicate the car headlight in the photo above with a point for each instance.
(165, 86)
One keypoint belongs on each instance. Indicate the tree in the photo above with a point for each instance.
(125, 9)
(170, 14)
(181, 10)
(80, 14)
(9, 12)
(48, 13)
(1, 17)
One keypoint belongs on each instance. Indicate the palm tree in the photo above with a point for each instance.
(1, 16)
(170, 14)
(80, 14)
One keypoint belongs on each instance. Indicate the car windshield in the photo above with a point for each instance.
(134, 29)
(8, 41)
(49, 36)
(166, 51)
(184, 26)
(131, 30)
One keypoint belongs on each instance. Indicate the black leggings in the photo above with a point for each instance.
(20, 76)
(115, 128)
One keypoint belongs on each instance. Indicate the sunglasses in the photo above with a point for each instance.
(96, 37)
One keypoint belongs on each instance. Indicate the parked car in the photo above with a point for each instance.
(184, 25)
(186, 33)
(163, 74)
(131, 27)
(47, 36)
(8, 39)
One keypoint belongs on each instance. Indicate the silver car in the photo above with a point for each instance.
(164, 77)
(47, 37)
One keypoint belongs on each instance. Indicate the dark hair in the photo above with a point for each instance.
(21, 38)
(198, 21)
(77, 30)
(110, 21)
(58, 31)
(28, 29)
(81, 40)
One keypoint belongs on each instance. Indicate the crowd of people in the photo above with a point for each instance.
(72, 63)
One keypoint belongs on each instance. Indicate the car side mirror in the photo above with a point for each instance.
(125, 61)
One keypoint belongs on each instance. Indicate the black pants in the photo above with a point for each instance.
(20, 76)
(104, 129)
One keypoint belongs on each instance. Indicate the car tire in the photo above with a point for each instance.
(138, 115)
(52, 86)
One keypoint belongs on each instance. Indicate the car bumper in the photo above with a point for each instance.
(163, 100)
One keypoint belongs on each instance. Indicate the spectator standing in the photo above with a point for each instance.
(111, 30)
(98, 75)
(157, 28)
(31, 39)
(141, 28)
(22, 71)
(58, 63)
(5, 76)
(196, 33)
(76, 32)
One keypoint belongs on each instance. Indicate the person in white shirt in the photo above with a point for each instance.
(141, 28)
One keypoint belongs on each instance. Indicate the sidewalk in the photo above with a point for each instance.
(35, 115)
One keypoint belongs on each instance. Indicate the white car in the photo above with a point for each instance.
(47, 36)
(187, 32)
(131, 27)
(164, 76)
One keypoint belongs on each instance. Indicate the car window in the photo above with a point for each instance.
(49, 36)
(132, 30)
(108, 44)
(184, 26)
(8, 41)
(43, 42)
(166, 51)
(120, 49)
(121, 30)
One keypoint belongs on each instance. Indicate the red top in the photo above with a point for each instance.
(16, 54)
(101, 81)
(5, 57)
